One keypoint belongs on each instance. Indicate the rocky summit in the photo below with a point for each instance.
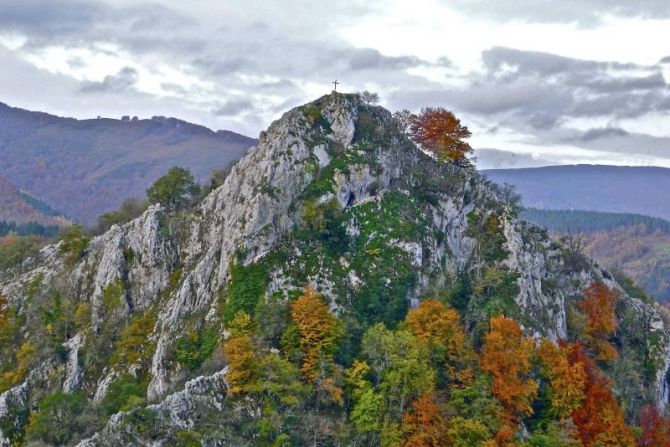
(334, 196)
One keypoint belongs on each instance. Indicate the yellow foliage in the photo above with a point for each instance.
(567, 379)
(318, 331)
(240, 354)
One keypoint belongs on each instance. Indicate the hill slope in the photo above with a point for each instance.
(334, 196)
(87, 167)
(622, 189)
(637, 245)
(19, 208)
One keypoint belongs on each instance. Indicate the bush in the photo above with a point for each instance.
(192, 350)
(247, 285)
(124, 395)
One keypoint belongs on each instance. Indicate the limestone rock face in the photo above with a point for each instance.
(434, 220)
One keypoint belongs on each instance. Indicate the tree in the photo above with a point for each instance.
(403, 120)
(57, 419)
(655, 428)
(135, 347)
(599, 420)
(174, 190)
(598, 305)
(73, 244)
(400, 364)
(369, 97)
(424, 425)
(506, 355)
(319, 332)
(440, 327)
(438, 131)
(240, 354)
(129, 210)
(567, 379)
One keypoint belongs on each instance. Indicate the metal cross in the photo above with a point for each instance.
(335, 82)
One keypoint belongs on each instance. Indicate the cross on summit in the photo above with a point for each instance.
(335, 82)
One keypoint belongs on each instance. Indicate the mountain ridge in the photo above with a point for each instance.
(88, 167)
(633, 189)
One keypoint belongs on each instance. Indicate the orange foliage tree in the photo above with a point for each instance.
(598, 305)
(424, 425)
(240, 353)
(655, 428)
(440, 327)
(567, 379)
(318, 329)
(506, 355)
(599, 420)
(438, 130)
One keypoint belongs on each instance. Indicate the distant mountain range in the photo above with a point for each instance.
(19, 207)
(84, 168)
(643, 190)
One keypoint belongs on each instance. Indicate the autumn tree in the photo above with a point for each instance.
(599, 420)
(318, 331)
(598, 305)
(240, 353)
(567, 379)
(655, 428)
(438, 131)
(440, 327)
(424, 425)
(506, 355)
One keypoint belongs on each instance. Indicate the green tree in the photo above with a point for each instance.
(56, 420)
(175, 190)
(73, 244)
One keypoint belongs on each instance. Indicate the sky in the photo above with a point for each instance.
(538, 82)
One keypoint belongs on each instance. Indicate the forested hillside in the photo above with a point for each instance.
(340, 287)
(635, 245)
(84, 168)
(18, 207)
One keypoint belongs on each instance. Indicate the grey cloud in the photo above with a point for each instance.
(370, 59)
(602, 132)
(665, 60)
(123, 81)
(234, 107)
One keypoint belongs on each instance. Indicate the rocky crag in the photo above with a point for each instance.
(336, 196)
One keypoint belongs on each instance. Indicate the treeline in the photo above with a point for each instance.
(578, 221)
(27, 229)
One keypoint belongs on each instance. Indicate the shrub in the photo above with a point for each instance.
(124, 395)
(192, 350)
(73, 244)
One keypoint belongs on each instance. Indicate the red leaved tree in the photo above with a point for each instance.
(655, 428)
(598, 305)
(438, 131)
(599, 419)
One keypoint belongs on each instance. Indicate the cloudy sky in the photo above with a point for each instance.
(538, 82)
